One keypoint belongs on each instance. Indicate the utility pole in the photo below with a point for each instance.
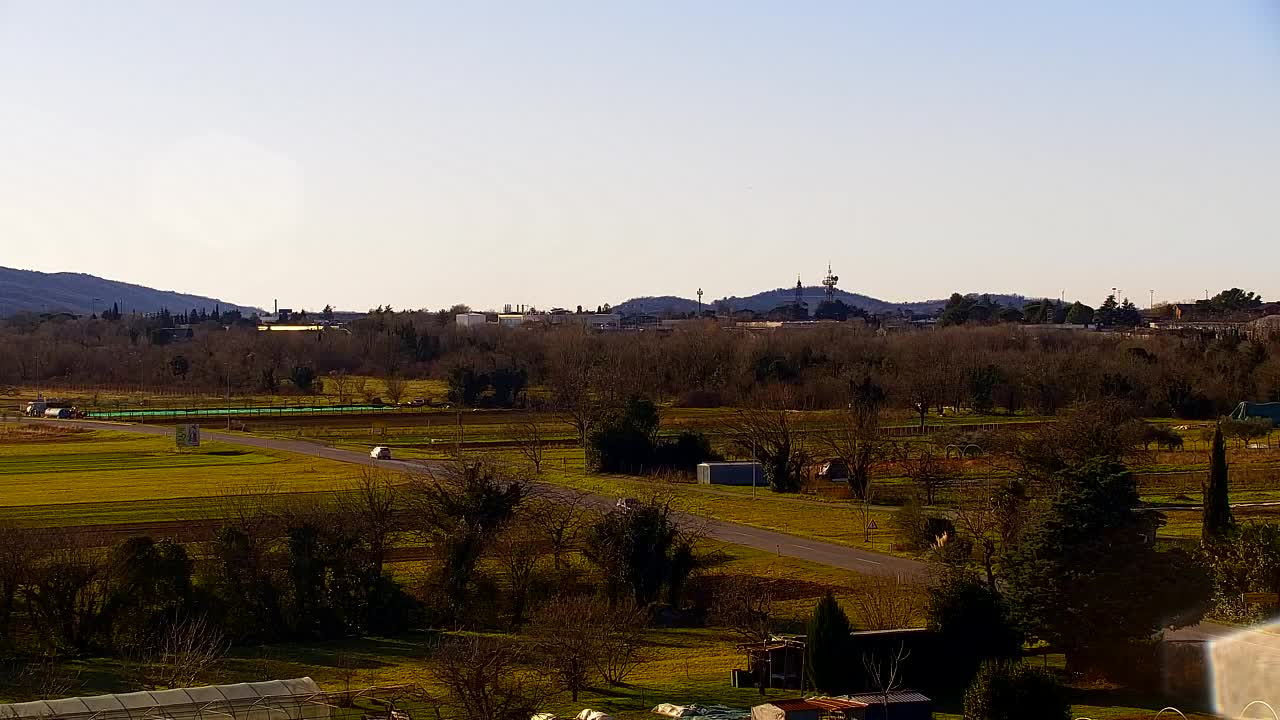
(1152, 304)
(228, 403)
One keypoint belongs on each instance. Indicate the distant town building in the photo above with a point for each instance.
(470, 319)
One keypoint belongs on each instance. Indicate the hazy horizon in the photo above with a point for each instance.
(427, 154)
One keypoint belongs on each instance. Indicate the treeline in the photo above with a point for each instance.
(1000, 369)
(277, 569)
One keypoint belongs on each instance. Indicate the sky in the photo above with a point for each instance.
(558, 153)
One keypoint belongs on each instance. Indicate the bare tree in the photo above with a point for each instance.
(341, 383)
(857, 442)
(560, 520)
(582, 635)
(886, 603)
(346, 667)
(744, 603)
(516, 551)
(929, 471)
(356, 385)
(484, 680)
(623, 637)
(886, 674)
(568, 633)
(578, 392)
(184, 650)
(992, 516)
(766, 433)
(394, 388)
(43, 678)
(378, 509)
(530, 442)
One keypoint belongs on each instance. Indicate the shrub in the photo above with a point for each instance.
(973, 620)
(1014, 691)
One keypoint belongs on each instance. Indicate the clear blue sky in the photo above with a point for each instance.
(559, 153)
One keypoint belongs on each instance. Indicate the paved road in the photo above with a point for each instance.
(781, 544)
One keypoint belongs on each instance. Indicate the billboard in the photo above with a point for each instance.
(187, 436)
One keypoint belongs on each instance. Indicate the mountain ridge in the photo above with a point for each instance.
(35, 291)
(767, 300)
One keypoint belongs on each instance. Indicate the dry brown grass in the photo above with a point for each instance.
(39, 433)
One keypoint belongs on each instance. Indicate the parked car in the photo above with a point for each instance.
(381, 452)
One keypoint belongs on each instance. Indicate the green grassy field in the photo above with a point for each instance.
(107, 476)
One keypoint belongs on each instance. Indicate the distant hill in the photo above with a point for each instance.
(765, 301)
(75, 292)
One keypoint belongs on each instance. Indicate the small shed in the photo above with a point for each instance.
(731, 473)
(901, 705)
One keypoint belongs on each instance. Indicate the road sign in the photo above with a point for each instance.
(872, 525)
(1261, 598)
(187, 436)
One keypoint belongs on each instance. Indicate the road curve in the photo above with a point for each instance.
(783, 545)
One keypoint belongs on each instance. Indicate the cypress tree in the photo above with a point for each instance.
(826, 652)
(1217, 505)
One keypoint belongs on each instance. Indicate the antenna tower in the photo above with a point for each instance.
(830, 283)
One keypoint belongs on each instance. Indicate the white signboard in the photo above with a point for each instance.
(187, 436)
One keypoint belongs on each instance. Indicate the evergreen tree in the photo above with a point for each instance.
(1079, 314)
(1089, 576)
(827, 650)
(1217, 506)
(1106, 314)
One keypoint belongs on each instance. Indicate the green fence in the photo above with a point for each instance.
(277, 411)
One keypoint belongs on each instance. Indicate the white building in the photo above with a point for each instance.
(470, 319)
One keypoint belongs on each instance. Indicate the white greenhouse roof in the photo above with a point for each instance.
(271, 700)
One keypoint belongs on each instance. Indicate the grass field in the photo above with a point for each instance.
(106, 476)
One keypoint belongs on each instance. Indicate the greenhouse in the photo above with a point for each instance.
(298, 699)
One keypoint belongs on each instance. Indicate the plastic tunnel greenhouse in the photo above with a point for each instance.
(299, 699)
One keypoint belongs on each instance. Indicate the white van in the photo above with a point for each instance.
(380, 453)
